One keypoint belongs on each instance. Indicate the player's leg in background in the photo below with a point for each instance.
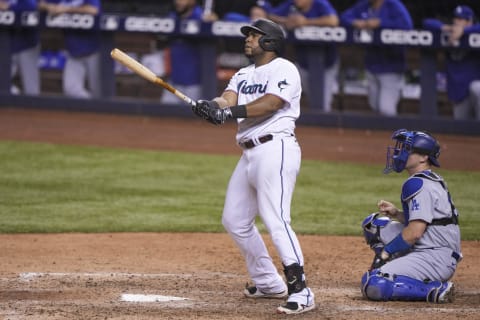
(330, 85)
(373, 88)
(475, 97)
(462, 109)
(13, 71)
(74, 74)
(92, 64)
(238, 218)
(389, 93)
(29, 71)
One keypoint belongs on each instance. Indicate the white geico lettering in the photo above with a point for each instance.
(408, 37)
(147, 24)
(474, 40)
(222, 28)
(329, 34)
(7, 17)
(74, 21)
(30, 18)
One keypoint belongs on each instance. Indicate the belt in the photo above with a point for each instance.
(445, 221)
(249, 144)
(456, 256)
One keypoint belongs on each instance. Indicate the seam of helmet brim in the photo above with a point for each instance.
(250, 28)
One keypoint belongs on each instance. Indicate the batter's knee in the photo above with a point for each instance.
(376, 287)
(227, 224)
(235, 229)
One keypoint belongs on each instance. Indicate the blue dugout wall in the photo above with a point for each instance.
(428, 43)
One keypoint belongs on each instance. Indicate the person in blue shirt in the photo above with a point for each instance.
(25, 49)
(298, 13)
(385, 65)
(83, 48)
(185, 59)
(241, 10)
(462, 65)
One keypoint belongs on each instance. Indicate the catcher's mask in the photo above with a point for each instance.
(411, 142)
(272, 38)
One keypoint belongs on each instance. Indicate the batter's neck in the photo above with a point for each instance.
(264, 59)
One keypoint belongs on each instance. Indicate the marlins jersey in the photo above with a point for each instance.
(279, 77)
(425, 197)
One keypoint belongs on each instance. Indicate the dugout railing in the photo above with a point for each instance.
(313, 40)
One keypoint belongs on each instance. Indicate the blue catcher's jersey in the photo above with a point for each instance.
(425, 197)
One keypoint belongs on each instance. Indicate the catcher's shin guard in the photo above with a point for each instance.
(382, 287)
(295, 278)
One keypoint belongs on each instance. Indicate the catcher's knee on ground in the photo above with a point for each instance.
(383, 287)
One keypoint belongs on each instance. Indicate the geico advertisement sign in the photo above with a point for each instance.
(75, 20)
(148, 24)
(474, 40)
(323, 34)
(407, 37)
(222, 28)
(7, 18)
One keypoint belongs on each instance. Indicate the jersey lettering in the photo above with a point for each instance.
(245, 88)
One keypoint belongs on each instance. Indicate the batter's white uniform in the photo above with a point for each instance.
(264, 178)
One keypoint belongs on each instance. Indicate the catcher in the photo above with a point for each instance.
(417, 248)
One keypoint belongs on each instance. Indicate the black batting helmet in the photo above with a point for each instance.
(272, 38)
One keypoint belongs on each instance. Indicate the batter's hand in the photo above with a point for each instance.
(202, 107)
(210, 111)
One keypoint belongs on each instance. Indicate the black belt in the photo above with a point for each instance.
(249, 144)
(455, 256)
(445, 221)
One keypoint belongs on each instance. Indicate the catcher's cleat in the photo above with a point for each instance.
(294, 308)
(446, 293)
(255, 293)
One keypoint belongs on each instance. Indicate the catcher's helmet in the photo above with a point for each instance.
(272, 38)
(411, 142)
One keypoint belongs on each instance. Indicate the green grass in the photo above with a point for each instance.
(55, 188)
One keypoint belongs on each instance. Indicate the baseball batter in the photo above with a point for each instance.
(264, 97)
(417, 260)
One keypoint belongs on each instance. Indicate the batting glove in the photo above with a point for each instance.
(202, 108)
(210, 111)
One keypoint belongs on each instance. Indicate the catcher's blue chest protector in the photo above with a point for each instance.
(414, 185)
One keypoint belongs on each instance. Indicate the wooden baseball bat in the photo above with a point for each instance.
(147, 74)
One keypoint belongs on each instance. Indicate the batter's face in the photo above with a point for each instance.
(252, 47)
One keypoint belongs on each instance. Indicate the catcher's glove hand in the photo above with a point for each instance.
(377, 262)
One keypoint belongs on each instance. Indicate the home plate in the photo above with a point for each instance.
(149, 298)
